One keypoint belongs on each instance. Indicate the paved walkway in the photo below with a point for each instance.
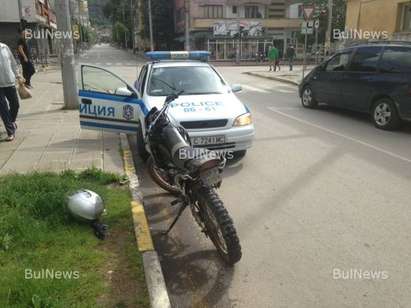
(285, 75)
(50, 139)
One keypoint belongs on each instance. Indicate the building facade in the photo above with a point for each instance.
(38, 16)
(391, 16)
(232, 29)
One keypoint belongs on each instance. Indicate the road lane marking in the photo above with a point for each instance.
(330, 131)
(254, 89)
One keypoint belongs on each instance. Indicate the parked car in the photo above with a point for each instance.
(207, 108)
(373, 78)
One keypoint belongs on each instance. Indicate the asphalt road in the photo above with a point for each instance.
(321, 203)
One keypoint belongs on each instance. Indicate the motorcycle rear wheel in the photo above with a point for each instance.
(161, 179)
(219, 225)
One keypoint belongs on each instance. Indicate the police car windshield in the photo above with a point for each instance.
(193, 80)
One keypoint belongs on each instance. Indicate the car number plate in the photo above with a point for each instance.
(211, 177)
(206, 140)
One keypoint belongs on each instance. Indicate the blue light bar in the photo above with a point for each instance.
(178, 55)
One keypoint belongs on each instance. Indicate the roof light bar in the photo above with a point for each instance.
(178, 55)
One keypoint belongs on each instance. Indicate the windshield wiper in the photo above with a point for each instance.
(166, 83)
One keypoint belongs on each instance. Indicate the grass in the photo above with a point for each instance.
(37, 233)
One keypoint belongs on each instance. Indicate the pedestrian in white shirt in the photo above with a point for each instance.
(9, 102)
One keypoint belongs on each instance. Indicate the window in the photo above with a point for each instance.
(406, 25)
(213, 11)
(234, 9)
(99, 80)
(251, 11)
(366, 59)
(194, 80)
(142, 80)
(339, 62)
(396, 60)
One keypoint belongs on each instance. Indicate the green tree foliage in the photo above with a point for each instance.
(119, 11)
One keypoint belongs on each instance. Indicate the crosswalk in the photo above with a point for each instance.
(273, 87)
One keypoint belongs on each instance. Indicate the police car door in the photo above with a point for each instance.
(108, 103)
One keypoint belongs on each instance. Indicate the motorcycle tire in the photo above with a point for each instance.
(160, 179)
(219, 225)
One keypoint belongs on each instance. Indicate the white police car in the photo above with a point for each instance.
(213, 116)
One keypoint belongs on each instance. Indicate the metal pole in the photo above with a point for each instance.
(187, 24)
(305, 53)
(150, 21)
(67, 56)
(316, 45)
(20, 11)
(330, 18)
(80, 25)
(133, 24)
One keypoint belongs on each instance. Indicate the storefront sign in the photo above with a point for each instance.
(232, 28)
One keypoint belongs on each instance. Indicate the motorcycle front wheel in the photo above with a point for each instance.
(219, 225)
(160, 177)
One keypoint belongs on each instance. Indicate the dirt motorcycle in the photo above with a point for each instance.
(192, 175)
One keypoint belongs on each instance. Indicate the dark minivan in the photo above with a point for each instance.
(373, 78)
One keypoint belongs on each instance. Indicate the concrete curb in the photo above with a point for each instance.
(154, 276)
(295, 83)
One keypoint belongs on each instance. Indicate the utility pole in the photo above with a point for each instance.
(80, 24)
(133, 25)
(67, 55)
(20, 12)
(187, 24)
(150, 21)
(329, 28)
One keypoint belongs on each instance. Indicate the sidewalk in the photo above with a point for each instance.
(285, 75)
(50, 139)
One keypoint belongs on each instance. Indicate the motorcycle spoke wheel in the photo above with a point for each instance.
(161, 178)
(219, 226)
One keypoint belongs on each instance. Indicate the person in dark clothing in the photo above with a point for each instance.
(23, 52)
(9, 102)
(290, 55)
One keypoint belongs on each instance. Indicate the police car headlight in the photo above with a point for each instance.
(243, 120)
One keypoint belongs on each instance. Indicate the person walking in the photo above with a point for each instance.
(273, 57)
(23, 52)
(9, 101)
(290, 55)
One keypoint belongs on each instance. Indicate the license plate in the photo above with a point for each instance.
(211, 177)
(206, 140)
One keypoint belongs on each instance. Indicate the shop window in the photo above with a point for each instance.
(406, 25)
(251, 11)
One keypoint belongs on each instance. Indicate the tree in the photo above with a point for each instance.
(121, 16)
(163, 23)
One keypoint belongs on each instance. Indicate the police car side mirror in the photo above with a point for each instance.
(236, 88)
